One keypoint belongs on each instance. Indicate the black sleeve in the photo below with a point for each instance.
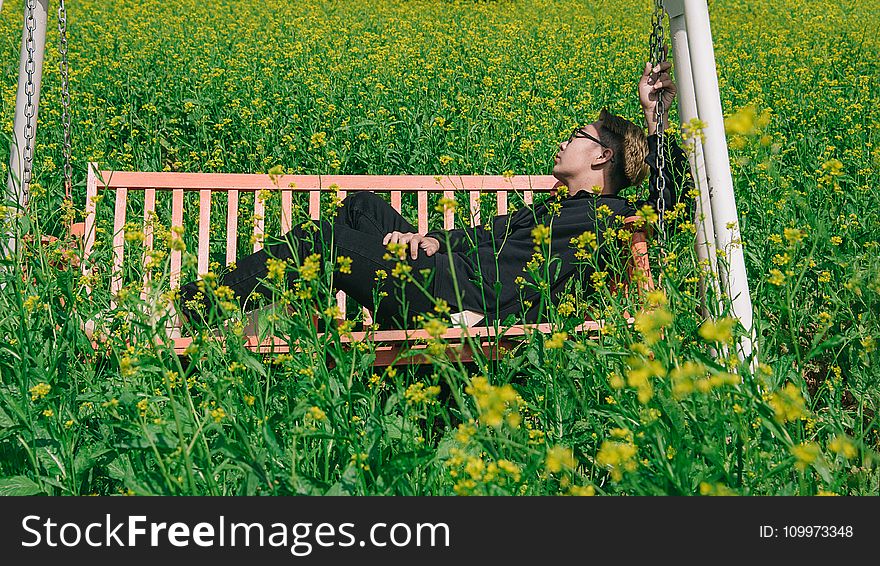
(458, 239)
(464, 239)
(678, 182)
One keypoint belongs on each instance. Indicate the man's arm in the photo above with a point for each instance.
(655, 85)
(464, 239)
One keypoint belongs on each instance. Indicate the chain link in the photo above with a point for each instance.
(658, 53)
(29, 108)
(65, 98)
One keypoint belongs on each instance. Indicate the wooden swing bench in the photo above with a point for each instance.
(392, 347)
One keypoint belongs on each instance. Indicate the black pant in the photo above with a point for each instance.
(361, 223)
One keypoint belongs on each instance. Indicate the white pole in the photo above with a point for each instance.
(687, 111)
(30, 74)
(723, 203)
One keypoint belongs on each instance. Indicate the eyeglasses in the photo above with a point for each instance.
(580, 133)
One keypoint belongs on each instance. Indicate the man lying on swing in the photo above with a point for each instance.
(488, 262)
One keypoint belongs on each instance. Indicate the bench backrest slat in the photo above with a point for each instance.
(474, 197)
(422, 225)
(259, 222)
(118, 242)
(149, 212)
(176, 221)
(448, 213)
(204, 230)
(232, 226)
(286, 211)
(314, 205)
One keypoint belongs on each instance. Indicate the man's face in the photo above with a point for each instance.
(577, 152)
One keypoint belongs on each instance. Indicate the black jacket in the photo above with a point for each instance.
(488, 259)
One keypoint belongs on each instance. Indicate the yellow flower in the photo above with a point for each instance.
(39, 391)
(540, 235)
(617, 457)
(401, 270)
(582, 490)
(344, 264)
(559, 458)
(435, 328)
(776, 277)
(315, 414)
(651, 323)
(843, 446)
(496, 405)
(788, 403)
(718, 489)
(418, 394)
(743, 122)
(275, 172)
(639, 375)
(794, 235)
(276, 269)
(556, 341)
(218, 414)
(647, 214)
(446, 204)
(310, 267)
(720, 330)
(805, 454)
(656, 298)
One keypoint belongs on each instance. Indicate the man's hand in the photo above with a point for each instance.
(656, 82)
(415, 241)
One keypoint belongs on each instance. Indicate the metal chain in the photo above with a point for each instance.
(65, 98)
(657, 56)
(29, 108)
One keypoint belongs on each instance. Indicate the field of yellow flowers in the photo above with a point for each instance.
(453, 87)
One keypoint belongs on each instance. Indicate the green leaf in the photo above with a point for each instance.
(19, 485)
(5, 420)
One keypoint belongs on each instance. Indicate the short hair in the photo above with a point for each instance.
(630, 146)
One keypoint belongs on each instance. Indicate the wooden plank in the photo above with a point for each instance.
(474, 198)
(396, 200)
(448, 212)
(204, 230)
(90, 224)
(118, 243)
(136, 180)
(231, 226)
(340, 302)
(259, 222)
(286, 211)
(423, 211)
(501, 201)
(315, 205)
(368, 316)
(176, 220)
(527, 197)
(149, 211)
